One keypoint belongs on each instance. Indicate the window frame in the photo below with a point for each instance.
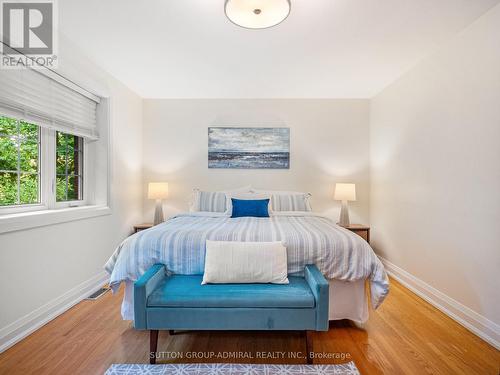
(27, 207)
(85, 196)
(47, 172)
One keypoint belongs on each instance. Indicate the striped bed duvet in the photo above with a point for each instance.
(179, 243)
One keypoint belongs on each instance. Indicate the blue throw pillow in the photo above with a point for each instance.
(254, 208)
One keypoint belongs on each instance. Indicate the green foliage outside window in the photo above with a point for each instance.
(19, 162)
(69, 157)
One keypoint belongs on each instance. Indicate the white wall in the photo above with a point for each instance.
(435, 175)
(329, 143)
(40, 265)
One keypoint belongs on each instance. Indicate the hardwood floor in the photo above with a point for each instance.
(405, 336)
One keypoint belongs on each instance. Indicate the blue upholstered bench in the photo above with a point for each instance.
(180, 302)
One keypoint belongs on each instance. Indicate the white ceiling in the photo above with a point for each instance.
(325, 49)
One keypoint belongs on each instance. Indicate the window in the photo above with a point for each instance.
(69, 167)
(54, 137)
(19, 162)
(32, 158)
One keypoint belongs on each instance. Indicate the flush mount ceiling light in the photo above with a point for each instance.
(257, 14)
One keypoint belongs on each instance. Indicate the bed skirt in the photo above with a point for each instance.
(348, 300)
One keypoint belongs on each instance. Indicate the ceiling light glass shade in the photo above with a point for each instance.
(257, 14)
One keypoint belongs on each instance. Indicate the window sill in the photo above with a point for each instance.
(33, 219)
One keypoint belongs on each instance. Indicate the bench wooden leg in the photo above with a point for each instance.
(153, 345)
(308, 348)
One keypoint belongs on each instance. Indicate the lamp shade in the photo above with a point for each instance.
(257, 14)
(157, 190)
(345, 192)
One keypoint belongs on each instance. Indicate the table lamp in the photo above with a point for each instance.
(158, 191)
(344, 193)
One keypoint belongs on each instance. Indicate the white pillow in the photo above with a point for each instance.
(209, 201)
(288, 201)
(245, 262)
(212, 201)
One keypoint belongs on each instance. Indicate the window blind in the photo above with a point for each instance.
(32, 96)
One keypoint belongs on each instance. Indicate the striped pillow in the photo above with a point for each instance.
(211, 201)
(290, 202)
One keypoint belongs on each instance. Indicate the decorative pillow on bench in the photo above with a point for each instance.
(245, 262)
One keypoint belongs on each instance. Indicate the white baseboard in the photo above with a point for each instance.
(29, 323)
(474, 322)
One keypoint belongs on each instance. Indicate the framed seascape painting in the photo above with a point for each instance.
(249, 148)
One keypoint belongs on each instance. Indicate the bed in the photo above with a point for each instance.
(344, 258)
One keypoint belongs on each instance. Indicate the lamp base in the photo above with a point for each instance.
(158, 213)
(344, 215)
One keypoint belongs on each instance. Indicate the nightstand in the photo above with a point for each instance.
(361, 230)
(139, 227)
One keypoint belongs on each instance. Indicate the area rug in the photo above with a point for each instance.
(232, 369)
